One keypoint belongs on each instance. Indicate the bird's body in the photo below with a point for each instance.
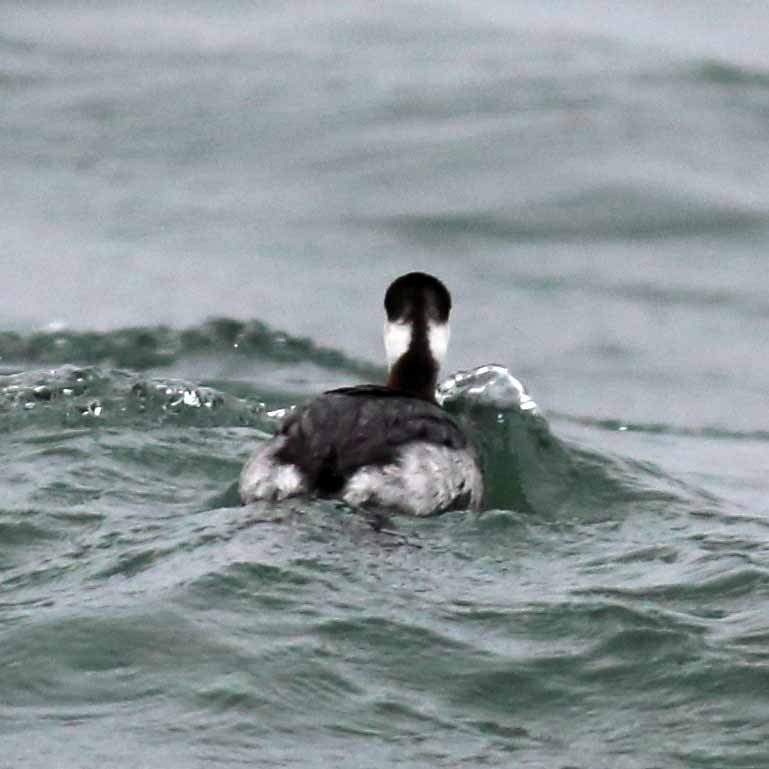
(388, 448)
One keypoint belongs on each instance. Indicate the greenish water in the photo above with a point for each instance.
(591, 182)
(603, 612)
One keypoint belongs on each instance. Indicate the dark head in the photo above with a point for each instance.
(416, 333)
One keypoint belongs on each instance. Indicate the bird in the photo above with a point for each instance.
(387, 449)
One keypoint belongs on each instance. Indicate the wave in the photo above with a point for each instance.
(664, 428)
(602, 214)
(160, 346)
(724, 73)
(527, 467)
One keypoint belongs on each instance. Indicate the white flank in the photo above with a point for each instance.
(397, 338)
(264, 477)
(438, 338)
(425, 479)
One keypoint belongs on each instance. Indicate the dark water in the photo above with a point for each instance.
(592, 183)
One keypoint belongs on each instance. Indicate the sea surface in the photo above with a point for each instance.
(201, 204)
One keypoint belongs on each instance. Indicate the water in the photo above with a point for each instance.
(591, 182)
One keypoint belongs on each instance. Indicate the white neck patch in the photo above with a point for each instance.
(397, 340)
(438, 338)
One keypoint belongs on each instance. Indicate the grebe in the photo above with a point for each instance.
(383, 449)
